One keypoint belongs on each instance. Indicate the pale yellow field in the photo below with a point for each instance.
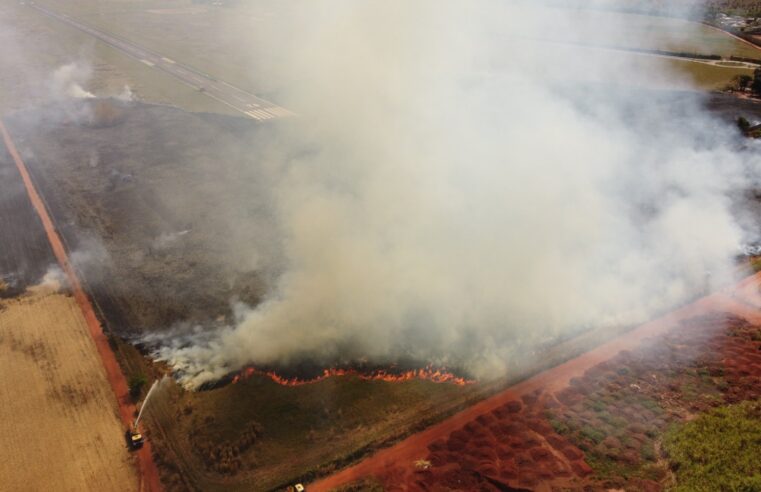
(58, 421)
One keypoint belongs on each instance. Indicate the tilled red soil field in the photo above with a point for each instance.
(602, 429)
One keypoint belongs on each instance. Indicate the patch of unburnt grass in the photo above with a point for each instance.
(718, 450)
(620, 410)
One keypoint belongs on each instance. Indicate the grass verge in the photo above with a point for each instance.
(719, 450)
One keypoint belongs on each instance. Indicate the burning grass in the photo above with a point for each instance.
(390, 375)
(297, 431)
(606, 429)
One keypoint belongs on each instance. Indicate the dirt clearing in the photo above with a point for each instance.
(59, 420)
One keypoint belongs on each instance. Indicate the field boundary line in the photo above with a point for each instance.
(147, 467)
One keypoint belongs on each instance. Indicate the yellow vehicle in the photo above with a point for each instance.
(135, 439)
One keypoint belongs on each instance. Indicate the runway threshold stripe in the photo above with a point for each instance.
(265, 115)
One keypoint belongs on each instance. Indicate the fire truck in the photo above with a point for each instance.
(135, 438)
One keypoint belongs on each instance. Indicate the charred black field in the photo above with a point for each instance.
(160, 207)
(138, 198)
(24, 252)
(153, 204)
(134, 197)
(419, 246)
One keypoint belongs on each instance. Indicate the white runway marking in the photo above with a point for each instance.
(263, 114)
(278, 111)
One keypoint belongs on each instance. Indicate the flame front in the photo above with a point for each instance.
(425, 374)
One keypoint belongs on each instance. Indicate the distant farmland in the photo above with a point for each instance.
(645, 32)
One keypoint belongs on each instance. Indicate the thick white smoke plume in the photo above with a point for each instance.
(470, 191)
(67, 82)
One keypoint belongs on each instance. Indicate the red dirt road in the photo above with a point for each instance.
(150, 477)
(740, 300)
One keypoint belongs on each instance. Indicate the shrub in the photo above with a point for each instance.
(136, 384)
(647, 452)
(593, 434)
(559, 426)
(743, 124)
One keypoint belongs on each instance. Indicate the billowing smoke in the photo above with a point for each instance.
(470, 191)
(67, 81)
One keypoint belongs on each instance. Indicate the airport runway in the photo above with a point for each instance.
(234, 97)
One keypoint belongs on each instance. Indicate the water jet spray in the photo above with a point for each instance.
(135, 437)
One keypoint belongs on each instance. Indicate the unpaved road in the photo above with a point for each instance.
(98, 342)
(58, 419)
(401, 457)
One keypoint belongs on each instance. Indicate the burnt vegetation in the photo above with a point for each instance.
(750, 8)
(224, 457)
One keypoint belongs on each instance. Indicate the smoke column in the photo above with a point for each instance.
(469, 191)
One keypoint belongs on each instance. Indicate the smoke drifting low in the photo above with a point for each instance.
(470, 192)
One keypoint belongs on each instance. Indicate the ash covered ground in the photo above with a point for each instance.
(167, 216)
(153, 203)
(167, 213)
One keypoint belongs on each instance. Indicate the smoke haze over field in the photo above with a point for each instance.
(465, 196)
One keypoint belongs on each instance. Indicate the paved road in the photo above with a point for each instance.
(234, 97)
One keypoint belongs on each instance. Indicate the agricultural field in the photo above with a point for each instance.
(647, 32)
(114, 215)
(164, 196)
(116, 209)
(57, 402)
(728, 439)
(684, 401)
(258, 435)
(630, 69)
(209, 38)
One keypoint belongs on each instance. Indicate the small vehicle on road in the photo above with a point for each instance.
(135, 438)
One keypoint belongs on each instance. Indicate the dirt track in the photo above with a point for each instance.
(399, 459)
(59, 420)
(147, 198)
(114, 377)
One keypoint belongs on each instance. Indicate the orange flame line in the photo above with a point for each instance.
(425, 374)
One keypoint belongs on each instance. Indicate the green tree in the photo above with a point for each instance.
(743, 81)
(743, 124)
(136, 384)
(757, 81)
